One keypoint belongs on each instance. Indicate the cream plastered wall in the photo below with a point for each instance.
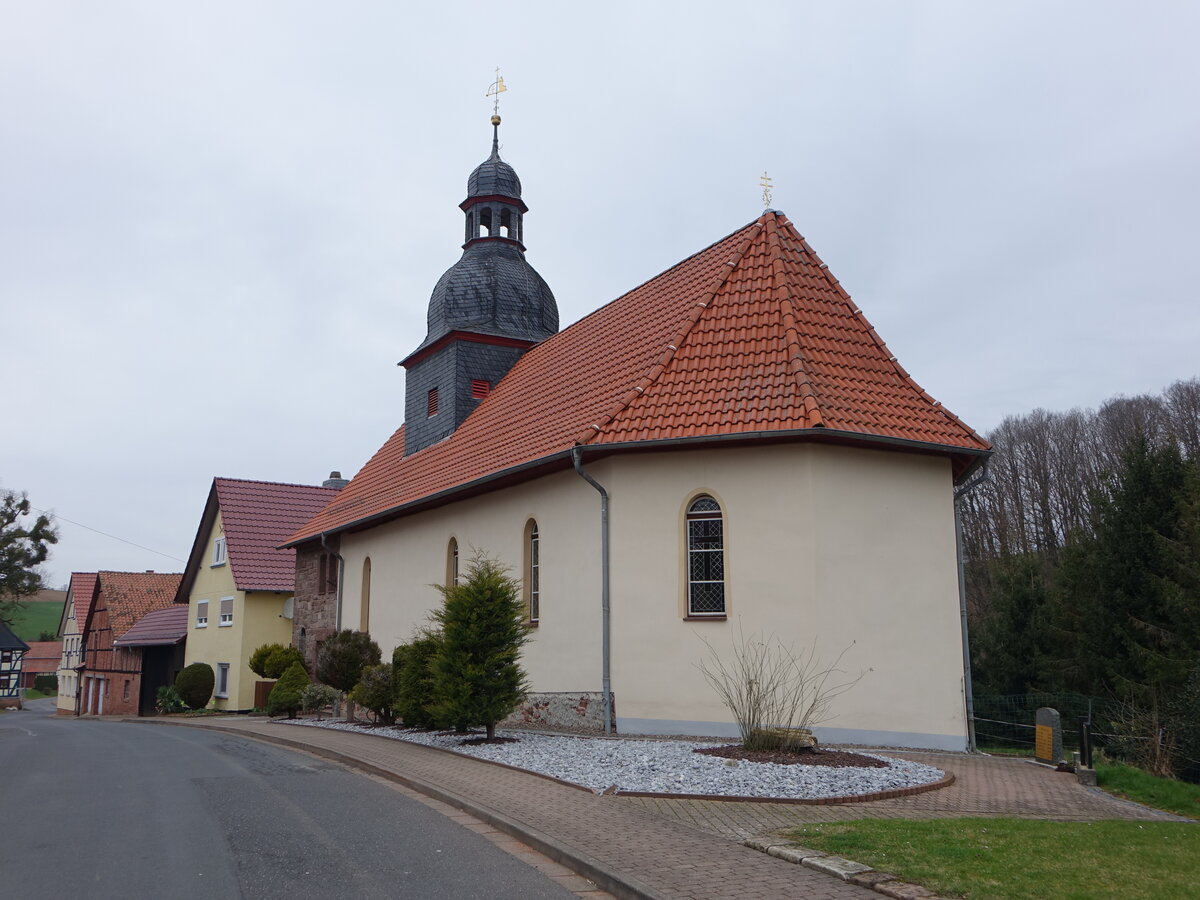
(409, 555)
(835, 544)
(849, 547)
(71, 657)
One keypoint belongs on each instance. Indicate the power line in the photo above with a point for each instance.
(106, 534)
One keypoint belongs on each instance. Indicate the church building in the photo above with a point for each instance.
(728, 449)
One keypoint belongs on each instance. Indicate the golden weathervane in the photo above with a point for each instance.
(497, 88)
(765, 184)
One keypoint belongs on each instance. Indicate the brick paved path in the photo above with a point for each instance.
(984, 786)
(624, 847)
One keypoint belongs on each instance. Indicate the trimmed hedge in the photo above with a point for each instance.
(195, 685)
(285, 697)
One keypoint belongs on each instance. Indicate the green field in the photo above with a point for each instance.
(36, 618)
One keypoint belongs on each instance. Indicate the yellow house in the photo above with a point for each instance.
(237, 584)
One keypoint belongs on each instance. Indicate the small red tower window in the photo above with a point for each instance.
(480, 388)
(431, 409)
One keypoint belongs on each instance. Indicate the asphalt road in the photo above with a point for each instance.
(121, 810)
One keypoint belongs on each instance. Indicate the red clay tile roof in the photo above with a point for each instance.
(43, 656)
(130, 595)
(258, 516)
(751, 337)
(82, 591)
(163, 626)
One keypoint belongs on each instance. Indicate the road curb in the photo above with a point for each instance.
(603, 876)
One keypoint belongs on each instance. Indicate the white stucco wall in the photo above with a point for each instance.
(829, 543)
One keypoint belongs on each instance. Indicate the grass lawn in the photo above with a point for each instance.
(35, 694)
(1016, 859)
(36, 618)
(1179, 797)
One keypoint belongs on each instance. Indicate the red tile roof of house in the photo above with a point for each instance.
(751, 338)
(43, 656)
(163, 626)
(258, 516)
(130, 595)
(82, 591)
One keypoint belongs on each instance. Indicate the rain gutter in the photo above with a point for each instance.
(822, 434)
(605, 665)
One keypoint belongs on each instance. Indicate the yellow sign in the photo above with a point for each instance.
(1044, 742)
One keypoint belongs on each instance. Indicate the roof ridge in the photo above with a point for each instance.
(791, 331)
(880, 343)
(272, 483)
(590, 432)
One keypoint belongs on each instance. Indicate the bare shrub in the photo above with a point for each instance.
(775, 692)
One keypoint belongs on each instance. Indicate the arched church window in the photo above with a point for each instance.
(533, 571)
(705, 558)
(452, 563)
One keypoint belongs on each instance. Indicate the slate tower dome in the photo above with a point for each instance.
(485, 311)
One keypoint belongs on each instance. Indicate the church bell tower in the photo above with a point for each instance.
(485, 311)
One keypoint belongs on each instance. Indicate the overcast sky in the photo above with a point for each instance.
(220, 223)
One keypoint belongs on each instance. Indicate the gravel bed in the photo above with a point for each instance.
(667, 767)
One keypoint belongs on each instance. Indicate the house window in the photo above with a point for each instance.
(327, 577)
(222, 680)
(218, 557)
(201, 613)
(226, 611)
(5, 656)
(480, 388)
(125, 692)
(431, 407)
(452, 563)
(533, 571)
(705, 558)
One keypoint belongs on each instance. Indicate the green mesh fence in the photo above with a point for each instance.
(1005, 722)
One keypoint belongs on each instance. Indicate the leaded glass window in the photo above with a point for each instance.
(706, 558)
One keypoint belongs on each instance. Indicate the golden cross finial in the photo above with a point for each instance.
(496, 90)
(765, 184)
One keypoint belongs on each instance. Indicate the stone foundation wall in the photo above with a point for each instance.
(581, 711)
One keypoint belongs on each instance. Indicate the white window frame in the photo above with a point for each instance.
(222, 686)
(222, 621)
(220, 552)
(201, 607)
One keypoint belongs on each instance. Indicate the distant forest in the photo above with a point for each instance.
(1082, 551)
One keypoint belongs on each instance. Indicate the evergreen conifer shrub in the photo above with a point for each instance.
(272, 660)
(195, 684)
(477, 674)
(413, 663)
(286, 696)
(344, 656)
(376, 691)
